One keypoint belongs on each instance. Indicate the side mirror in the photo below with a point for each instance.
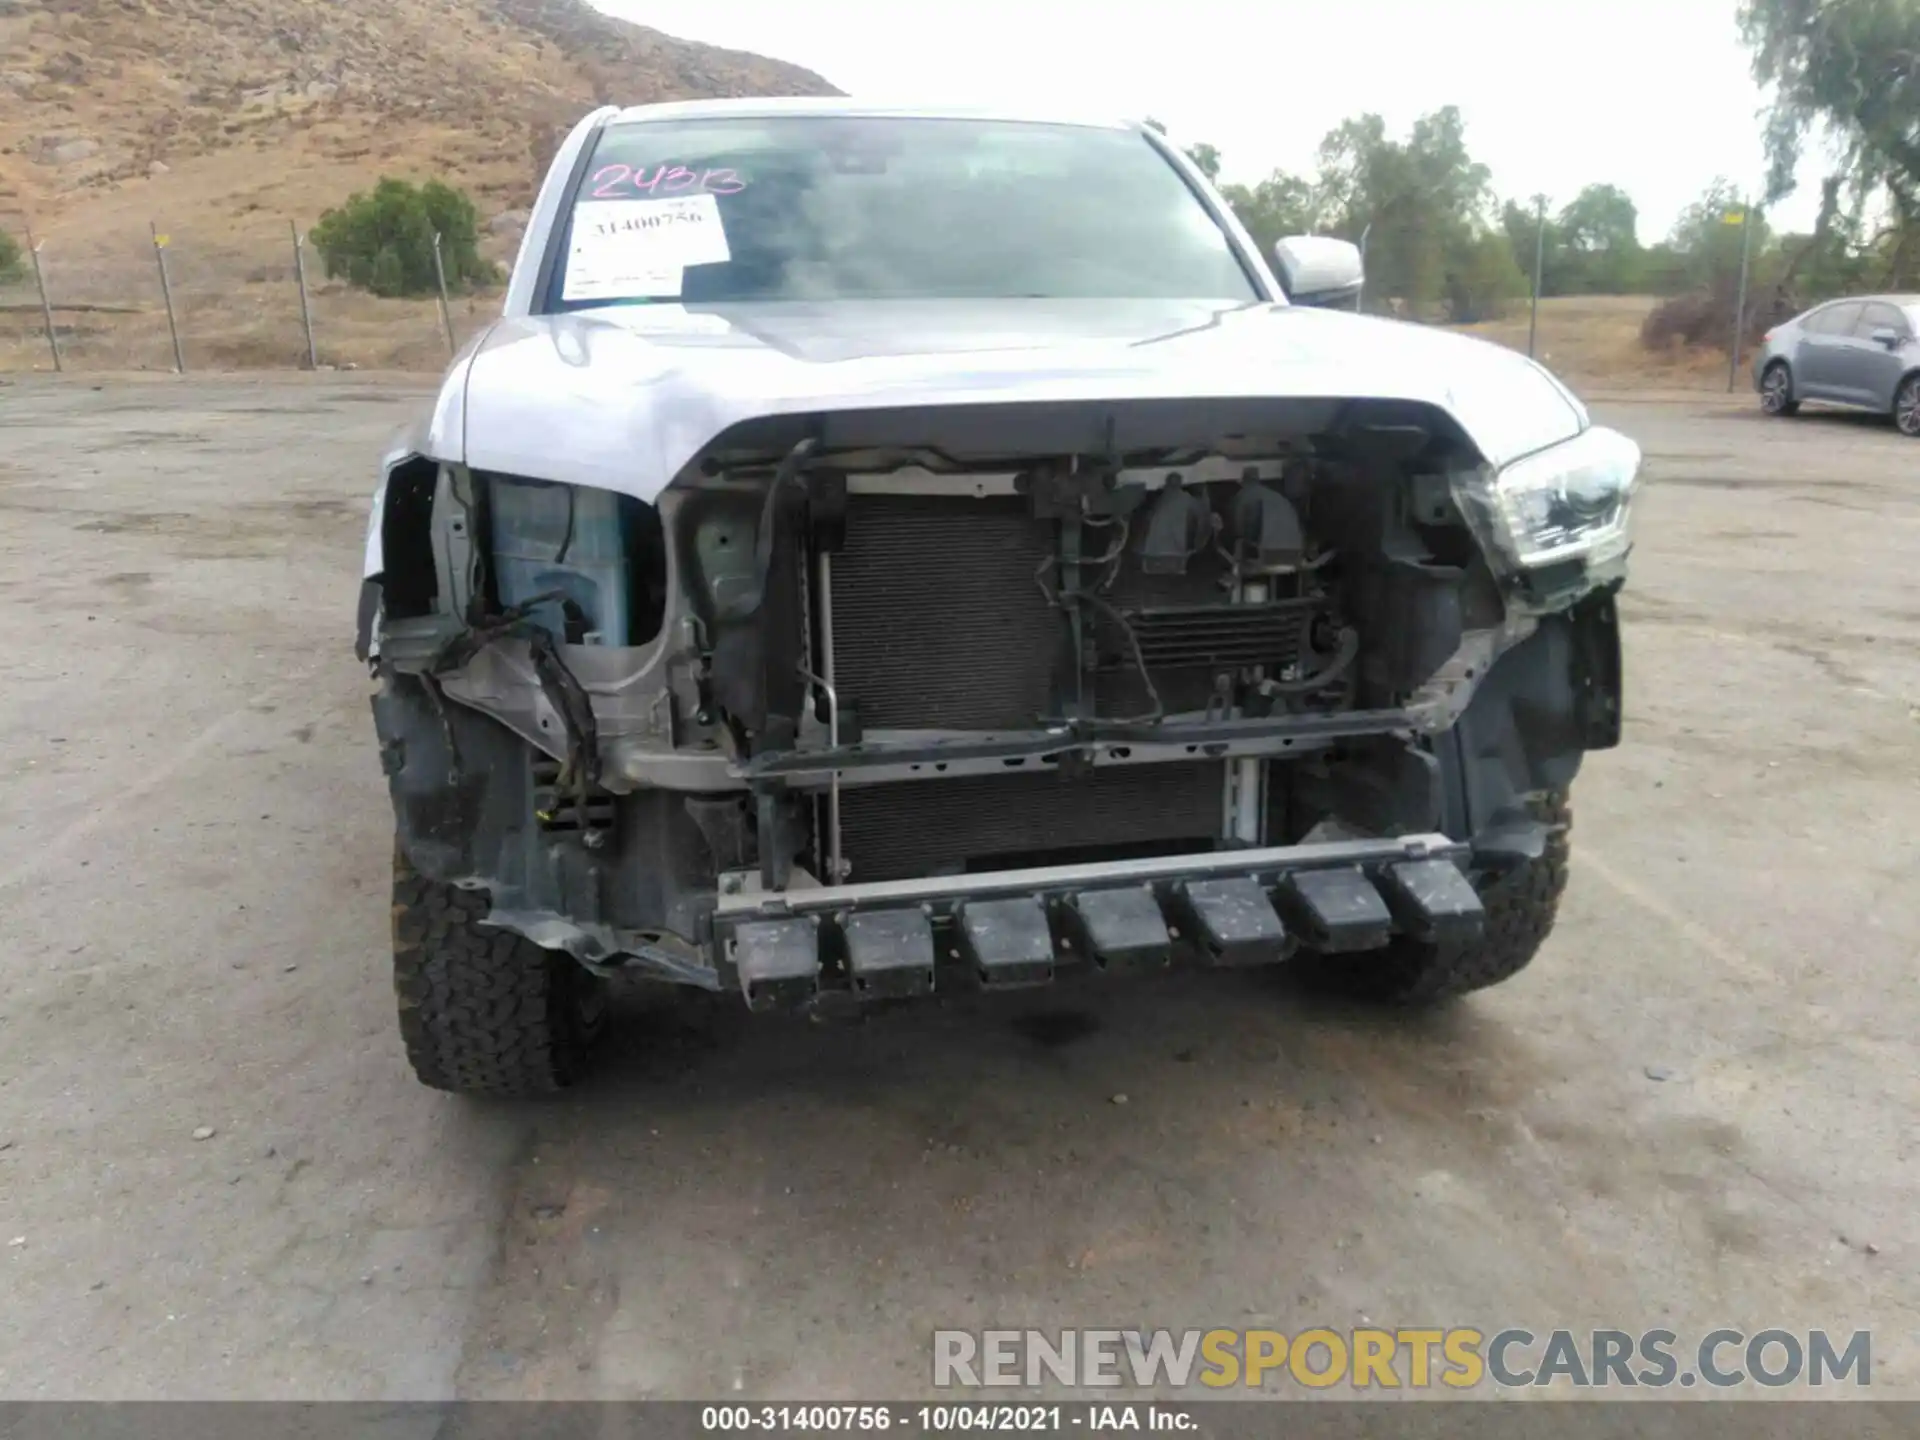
(1319, 270)
(1886, 337)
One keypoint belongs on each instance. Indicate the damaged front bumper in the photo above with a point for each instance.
(810, 947)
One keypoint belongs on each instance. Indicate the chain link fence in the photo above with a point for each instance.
(244, 294)
(233, 298)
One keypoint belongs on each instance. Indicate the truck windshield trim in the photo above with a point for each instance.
(735, 210)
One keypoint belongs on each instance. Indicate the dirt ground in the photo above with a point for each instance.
(1594, 340)
(1696, 1109)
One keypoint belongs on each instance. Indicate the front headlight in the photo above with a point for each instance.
(1567, 502)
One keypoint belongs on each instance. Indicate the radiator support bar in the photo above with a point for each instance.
(1076, 739)
(741, 896)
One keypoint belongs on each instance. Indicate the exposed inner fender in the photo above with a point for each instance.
(1545, 702)
(464, 807)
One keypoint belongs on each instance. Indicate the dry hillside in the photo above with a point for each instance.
(220, 121)
(281, 104)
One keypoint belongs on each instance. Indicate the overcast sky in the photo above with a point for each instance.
(1652, 95)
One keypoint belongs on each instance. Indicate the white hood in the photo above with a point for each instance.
(623, 398)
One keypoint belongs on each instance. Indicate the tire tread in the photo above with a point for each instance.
(1521, 909)
(483, 1011)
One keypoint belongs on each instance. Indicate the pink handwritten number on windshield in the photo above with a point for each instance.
(608, 179)
(623, 182)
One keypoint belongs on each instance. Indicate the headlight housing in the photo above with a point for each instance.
(1567, 502)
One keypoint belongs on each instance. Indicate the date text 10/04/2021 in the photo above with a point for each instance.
(1084, 1417)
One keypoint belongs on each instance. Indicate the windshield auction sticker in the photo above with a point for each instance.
(627, 248)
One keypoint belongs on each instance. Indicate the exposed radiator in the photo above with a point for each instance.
(926, 827)
(940, 620)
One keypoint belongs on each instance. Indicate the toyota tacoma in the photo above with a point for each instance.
(882, 551)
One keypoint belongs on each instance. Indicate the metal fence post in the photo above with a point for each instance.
(1740, 299)
(300, 279)
(440, 275)
(166, 294)
(1539, 270)
(46, 306)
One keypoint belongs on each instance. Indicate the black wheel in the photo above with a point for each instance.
(1776, 390)
(1906, 406)
(1521, 906)
(484, 1011)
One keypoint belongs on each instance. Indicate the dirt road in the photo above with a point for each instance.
(1697, 1108)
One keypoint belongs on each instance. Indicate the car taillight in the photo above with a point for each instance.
(1767, 338)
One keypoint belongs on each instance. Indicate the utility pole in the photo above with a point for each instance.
(1740, 300)
(1539, 268)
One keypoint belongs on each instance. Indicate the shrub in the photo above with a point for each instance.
(1483, 280)
(382, 240)
(13, 259)
(1705, 318)
(1697, 319)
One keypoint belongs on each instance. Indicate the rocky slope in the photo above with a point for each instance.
(192, 110)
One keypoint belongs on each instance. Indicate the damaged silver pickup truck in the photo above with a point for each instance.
(879, 551)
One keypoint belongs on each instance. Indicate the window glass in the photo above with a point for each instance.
(1879, 317)
(815, 208)
(1834, 320)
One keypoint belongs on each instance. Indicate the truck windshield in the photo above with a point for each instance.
(824, 208)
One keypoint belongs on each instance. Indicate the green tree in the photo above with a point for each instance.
(1702, 262)
(1848, 70)
(1426, 207)
(1709, 235)
(1595, 244)
(1207, 158)
(382, 240)
(1836, 258)
(1521, 225)
(13, 262)
(1483, 279)
(1663, 269)
(1278, 206)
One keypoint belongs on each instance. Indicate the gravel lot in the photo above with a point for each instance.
(1696, 1109)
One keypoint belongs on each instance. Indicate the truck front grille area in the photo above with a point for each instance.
(938, 617)
(942, 621)
(991, 822)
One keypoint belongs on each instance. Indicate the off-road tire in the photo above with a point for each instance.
(1521, 905)
(484, 1011)
(1783, 403)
